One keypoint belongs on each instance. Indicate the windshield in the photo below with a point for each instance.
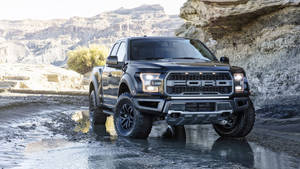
(169, 49)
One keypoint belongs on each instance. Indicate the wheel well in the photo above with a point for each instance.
(123, 88)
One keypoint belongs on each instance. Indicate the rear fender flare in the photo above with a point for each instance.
(96, 78)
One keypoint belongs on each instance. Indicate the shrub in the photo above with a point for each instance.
(83, 59)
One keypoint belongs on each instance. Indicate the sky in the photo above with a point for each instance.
(50, 9)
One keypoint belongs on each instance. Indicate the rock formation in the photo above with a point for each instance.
(47, 41)
(262, 36)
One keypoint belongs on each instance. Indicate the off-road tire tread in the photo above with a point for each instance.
(249, 122)
(244, 126)
(143, 122)
(99, 116)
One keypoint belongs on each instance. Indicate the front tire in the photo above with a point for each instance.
(129, 122)
(97, 117)
(240, 126)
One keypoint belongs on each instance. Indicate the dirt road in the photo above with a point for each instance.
(52, 133)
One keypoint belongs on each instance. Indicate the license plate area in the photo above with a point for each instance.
(200, 107)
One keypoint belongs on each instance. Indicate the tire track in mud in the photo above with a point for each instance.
(21, 125)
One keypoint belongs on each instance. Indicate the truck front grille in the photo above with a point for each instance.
(198, 83)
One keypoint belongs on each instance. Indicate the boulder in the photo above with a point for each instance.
(39, 77)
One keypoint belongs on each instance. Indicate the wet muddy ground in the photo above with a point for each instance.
(56, 134)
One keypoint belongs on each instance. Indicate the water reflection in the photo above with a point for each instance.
(45, 144)
(82, 121)
(235, 151)
(83, 125)
(196, 146)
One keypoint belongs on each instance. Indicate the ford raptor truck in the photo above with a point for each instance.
(178, 80)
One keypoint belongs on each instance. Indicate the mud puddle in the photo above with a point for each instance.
(60, 137)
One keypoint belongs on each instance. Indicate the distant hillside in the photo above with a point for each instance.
(47, 41)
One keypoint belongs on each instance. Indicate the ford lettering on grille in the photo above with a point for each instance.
(199, 83)
(196, 83)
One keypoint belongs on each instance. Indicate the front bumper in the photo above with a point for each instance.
(175, 112)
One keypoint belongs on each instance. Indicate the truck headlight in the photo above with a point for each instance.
(150, 82)
(239, 82)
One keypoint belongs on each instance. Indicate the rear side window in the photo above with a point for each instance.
(122, 52)
(114, 50)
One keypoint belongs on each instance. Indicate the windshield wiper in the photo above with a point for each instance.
(185, 58)
(203, 59)
(159, 58)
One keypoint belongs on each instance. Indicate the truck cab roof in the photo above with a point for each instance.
(154, 38)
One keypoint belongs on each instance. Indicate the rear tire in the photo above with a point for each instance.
(97, 117)
(242, 125)
(129, 122)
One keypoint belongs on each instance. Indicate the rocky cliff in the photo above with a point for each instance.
(47, 41)
(262, 36)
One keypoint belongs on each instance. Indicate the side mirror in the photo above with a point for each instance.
(112, 60)
(224, 59)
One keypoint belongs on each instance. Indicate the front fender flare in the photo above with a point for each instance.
(129, 81)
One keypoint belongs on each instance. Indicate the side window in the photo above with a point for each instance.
(114, 50)
(122, 52)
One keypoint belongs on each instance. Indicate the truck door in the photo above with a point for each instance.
(112, 76)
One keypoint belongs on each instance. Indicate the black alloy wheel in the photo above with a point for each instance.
(126, 117)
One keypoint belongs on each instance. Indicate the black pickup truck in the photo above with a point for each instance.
(169, 78)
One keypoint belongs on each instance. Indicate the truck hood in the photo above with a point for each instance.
(182, 65)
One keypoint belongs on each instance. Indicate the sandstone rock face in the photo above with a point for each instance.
(262, 36)
(40, 77)
(47, 41)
